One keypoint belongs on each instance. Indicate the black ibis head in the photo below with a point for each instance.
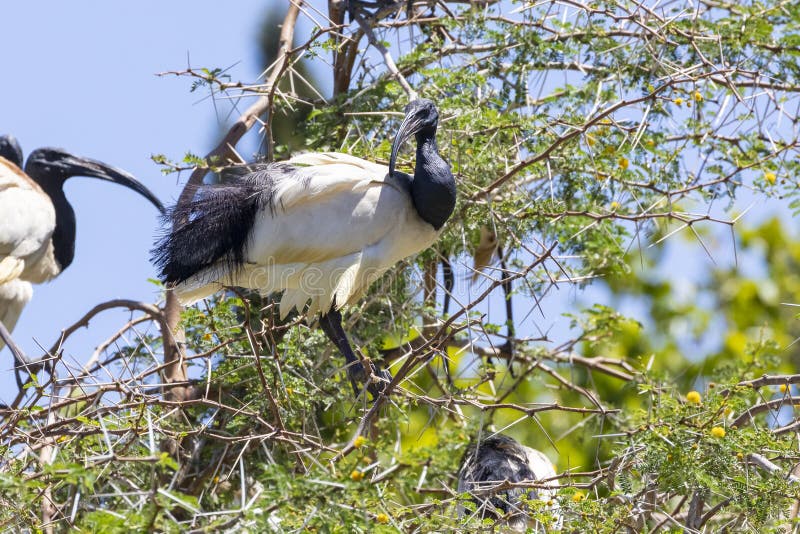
(51, 167)
(421, 120)
(10, 149)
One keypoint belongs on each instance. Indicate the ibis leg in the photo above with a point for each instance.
(449, 282)
(331, 324)
(510, 329)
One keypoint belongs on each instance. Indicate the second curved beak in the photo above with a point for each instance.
(77, 166)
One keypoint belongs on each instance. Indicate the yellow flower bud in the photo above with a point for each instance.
(693, 397)
(697, 96)
(382, 519)
(577, 496)
(678, 101)
(718, 432)
(623, 163)
(769, 177)
(359, 441)
(356, 475)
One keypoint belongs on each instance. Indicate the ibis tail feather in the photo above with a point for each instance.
(215, 227)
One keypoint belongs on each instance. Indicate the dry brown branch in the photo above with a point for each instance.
(748, 415)
(765, 380)
(387, 57)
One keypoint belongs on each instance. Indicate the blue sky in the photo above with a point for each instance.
(82, 75)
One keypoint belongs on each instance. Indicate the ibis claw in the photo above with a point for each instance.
(376, 381)
(379, 381)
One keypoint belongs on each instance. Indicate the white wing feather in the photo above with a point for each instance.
(542, 468)
(27, 221)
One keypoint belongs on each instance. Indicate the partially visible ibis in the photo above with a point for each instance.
(486, 471)
(321, 227)
(37, 223)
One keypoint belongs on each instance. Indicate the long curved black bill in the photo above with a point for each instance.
(411, 124)
(77, 166)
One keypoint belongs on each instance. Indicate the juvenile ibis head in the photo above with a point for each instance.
(498, 459)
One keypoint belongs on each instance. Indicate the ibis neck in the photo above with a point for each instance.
(433, 189)
(64, 232)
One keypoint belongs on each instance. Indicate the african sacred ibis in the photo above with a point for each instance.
(498, 459)
(37, 224)
(320, 226)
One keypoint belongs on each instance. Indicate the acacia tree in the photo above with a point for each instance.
(585, 138)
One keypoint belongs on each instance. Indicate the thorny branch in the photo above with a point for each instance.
(132, 403)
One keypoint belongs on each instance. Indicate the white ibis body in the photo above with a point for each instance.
(321, 227)
(37, 224)
(498, 459)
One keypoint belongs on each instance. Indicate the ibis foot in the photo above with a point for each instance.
(331, 324)
(376, 381)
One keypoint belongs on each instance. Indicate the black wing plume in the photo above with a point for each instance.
(216, 225)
